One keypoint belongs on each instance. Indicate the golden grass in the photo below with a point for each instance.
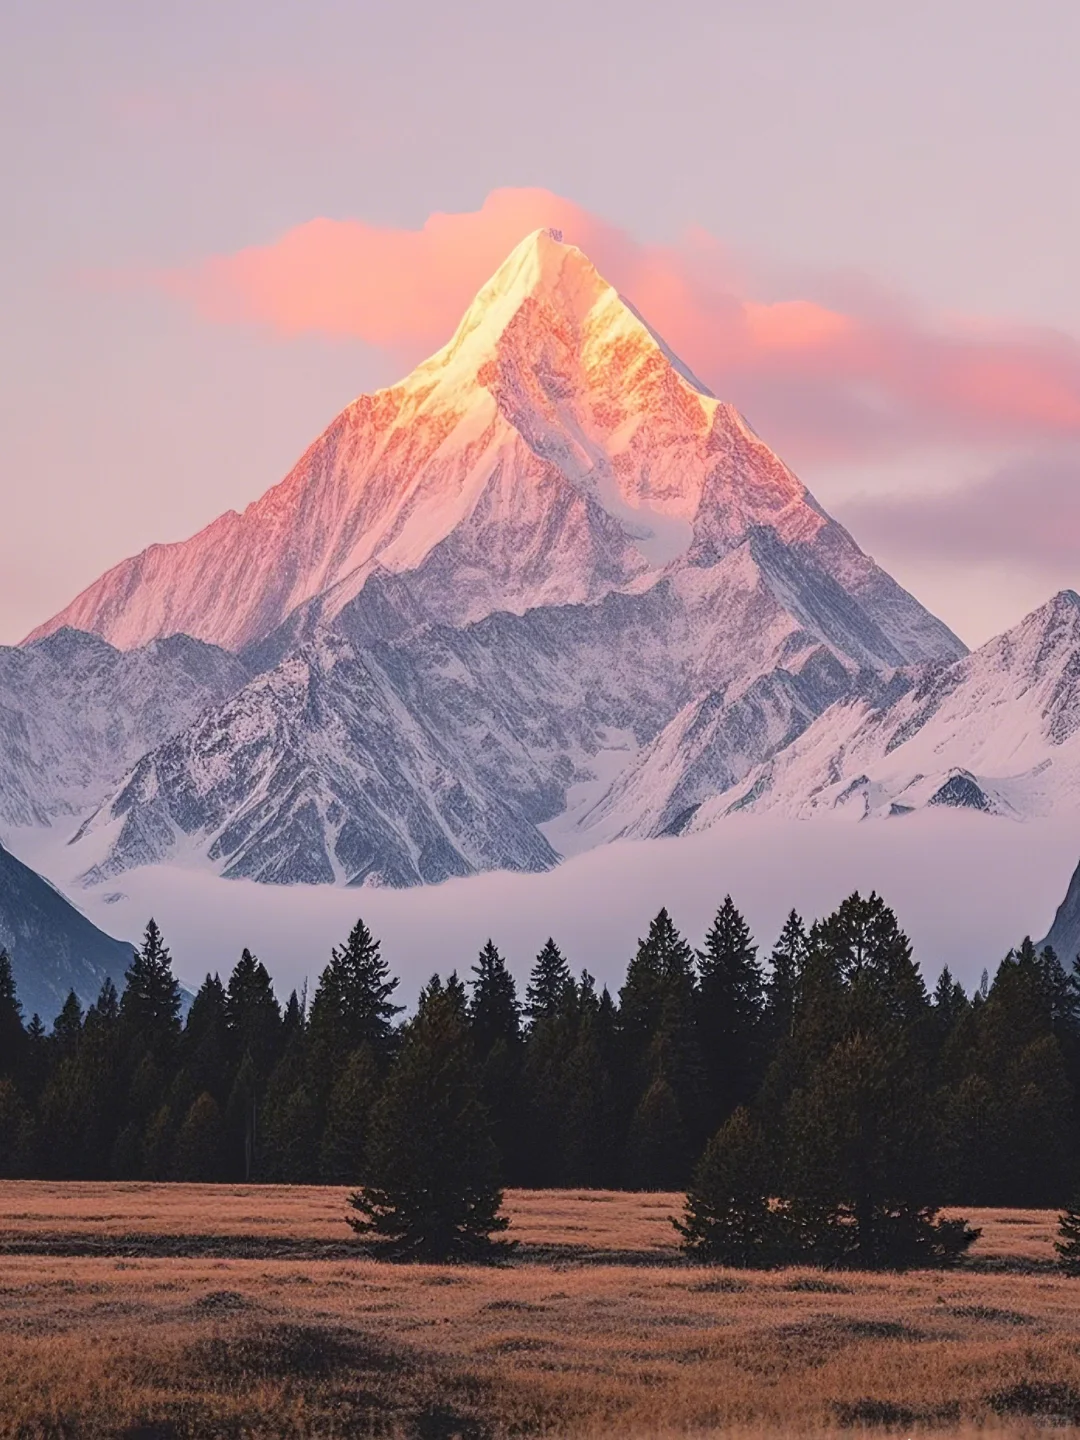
(221, 1340)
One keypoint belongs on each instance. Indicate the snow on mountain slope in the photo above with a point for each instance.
(314, 773)
(997, 731)
(547, 536)
(553, 451)
(75, 714)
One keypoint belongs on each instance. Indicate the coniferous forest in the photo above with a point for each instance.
(786, 1092)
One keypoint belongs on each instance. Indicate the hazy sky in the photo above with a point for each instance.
(902, 178)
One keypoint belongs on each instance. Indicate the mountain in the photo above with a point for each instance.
(555, 450)
(76, 713)
(1064, 933)
(53, 947)
(547, 553)
(996, 731)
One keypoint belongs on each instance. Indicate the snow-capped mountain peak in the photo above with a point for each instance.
(553, 451)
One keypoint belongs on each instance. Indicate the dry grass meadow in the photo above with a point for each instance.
(154, 1311)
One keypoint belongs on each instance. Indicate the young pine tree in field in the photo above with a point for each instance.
(1068, 1241)
(431, 1186)
(728, 1220)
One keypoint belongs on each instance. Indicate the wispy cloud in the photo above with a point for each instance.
(1025, 513)
(820, 381)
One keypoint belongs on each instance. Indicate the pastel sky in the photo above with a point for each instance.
(859, 221)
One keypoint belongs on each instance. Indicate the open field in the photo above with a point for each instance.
(159, 1311)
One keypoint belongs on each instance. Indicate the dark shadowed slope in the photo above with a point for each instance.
(53, 947)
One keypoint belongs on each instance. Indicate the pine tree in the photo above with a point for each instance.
(661, 970)
(494, 1015)
(252, 1015)
(150, 1005)
(352, 1005)
(12, 1034)
(782, 986)
(1067, 1244)
(16, 1132)
(204, 1048)
(67, 1027)
(728, 1219)
(657, 1144)
(730, 1011)
(199, 1151)
(431, 1190)
(344, 1141)
(549, 984)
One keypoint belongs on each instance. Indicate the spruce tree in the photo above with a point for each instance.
(199, 1152)
(431, 1188)
(661, 970)
(352, 1005)
(782, 986)
(12, 1034)
(730, 1010)
(67, 1027)
(549, 985)
(657, 1144)
(150, 1005)
(495, 1027)
(728, 1219)
(494, 1015)
(344, 1140)
(252, 1015)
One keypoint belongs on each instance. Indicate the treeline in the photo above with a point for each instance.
(827, 1074)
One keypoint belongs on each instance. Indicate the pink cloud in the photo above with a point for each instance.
(818, 380)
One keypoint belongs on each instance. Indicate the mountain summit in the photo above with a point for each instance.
(549, 555)
(553, 451)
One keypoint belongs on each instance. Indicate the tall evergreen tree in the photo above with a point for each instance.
(12, 1034)
(150, 1004)
(343, 1151)
(728, 1218)
(661, 971)
(494, 1015)
(550, 984)
(782, 986)
(252, 1015)
(730, 1013)
(495, 1027)
(352, 1005)
(431, 1188)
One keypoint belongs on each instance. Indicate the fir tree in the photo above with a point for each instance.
(252, 1015)
(728, 1218)
(494, 1016)
(782, 986)
(431, 1189)
(344, 1140)
(549, 985)
(199, 1152)
(661, 971)
(67, 1027)
(657, 1144)
(12, 1034)
(730, 1006)
(16, 1132)
(352, 1005)
(150, 1005)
